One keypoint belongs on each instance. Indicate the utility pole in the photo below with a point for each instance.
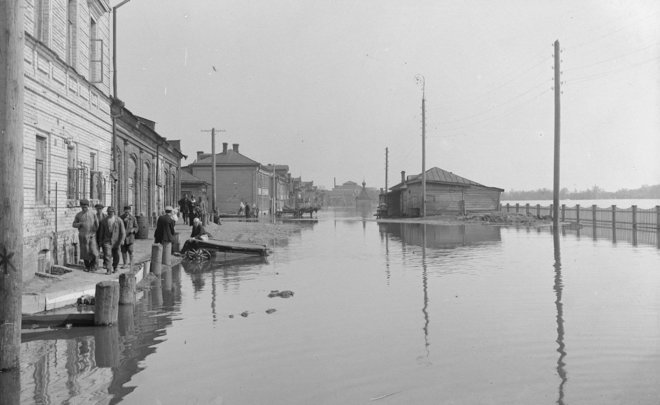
(12, 42)
(386, 167)
(420, 79)
(555, 193)
(213, 174)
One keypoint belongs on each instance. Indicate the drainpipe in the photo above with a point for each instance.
(114, 97)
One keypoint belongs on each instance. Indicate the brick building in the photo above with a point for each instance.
(238, 178)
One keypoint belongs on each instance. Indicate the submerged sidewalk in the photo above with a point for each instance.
(57, 291)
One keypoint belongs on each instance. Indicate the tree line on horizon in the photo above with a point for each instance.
(593, 193)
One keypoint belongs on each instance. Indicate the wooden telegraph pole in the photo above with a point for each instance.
(387, 152)
(213, 174)
(12, 42)
(555, 192)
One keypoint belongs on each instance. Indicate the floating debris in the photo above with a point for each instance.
(244, 314)
(278, 293)
(270, 310)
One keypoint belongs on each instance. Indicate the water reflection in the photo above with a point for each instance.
(561, 347)
(10, 387)
(79, 365)
(425, 289)
(615, 235)
(441, 236)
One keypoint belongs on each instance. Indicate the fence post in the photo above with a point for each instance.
(563, 212)
(593, 214)
(507, 207)
(577, 213)
(551, 211)
(517, 207)
(657, 218)
(614, 217)
(538, 212)
(634, 217)
(527, 209)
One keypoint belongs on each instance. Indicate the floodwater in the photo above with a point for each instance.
(384, 314)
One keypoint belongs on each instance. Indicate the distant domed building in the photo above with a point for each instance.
(363, 202)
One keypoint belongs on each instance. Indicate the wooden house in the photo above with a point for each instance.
(446, 193)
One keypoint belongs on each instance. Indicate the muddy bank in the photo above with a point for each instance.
(261, 232)
(488, 218)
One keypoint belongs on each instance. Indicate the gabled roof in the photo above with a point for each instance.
(189, 178)
(229, 158)
(437, 175)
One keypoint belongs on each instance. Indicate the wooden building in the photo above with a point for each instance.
(446, 193)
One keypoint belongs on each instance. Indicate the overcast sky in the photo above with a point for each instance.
(325, 86)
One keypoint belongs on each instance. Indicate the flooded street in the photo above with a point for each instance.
(381, 313)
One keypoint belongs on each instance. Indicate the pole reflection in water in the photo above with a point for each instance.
(558, 287)
(10, 387)
(425, 286)
(106, 346)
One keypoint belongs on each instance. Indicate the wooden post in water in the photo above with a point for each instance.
(577, 214)
(634, 217)
(12, 42)
(156, 258)
(538, 210)
(167, 253)
(127, 288)
(563, 212)
(106, 303)
(593, 214)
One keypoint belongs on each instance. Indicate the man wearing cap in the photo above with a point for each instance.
(165, 229)
(131, 227)
(111, 237)
(87, 224)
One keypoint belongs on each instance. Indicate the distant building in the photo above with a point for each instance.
(445, 193)
(344, 195)
(238, 178)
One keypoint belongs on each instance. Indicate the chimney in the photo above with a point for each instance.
(199, 155)
(235, 147)
(224, 147)
(403, 176)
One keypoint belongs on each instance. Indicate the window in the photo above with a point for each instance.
(71, 33)
(40, 169)
(95, 54)
(41, 20)
(77, 176)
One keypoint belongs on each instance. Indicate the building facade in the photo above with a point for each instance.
(148, 175)
(70, 132)
(67, 123)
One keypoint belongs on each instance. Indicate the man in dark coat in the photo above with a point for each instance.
(130, 224)
(165, 227)
(111, 237)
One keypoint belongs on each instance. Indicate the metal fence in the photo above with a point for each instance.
(612, 217)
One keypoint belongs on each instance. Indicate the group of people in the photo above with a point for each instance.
(250, 212)
(191, 208)
(105, 235)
